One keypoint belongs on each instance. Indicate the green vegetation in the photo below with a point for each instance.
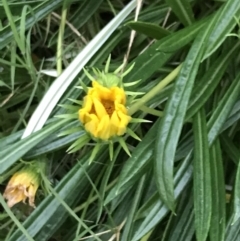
(182, 180)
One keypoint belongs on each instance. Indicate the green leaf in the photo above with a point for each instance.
(150, 29)
(79, 143)
(218, 219)
(201, 177)
(171, 124)
(14, 152)
(232, 232)
(83, 14)
(183, 10)
(128, 228)
(223, 109)
(182, 225)
(40, 11)
(135, 165)
(159, 210)
(228, 146)
(147, 63)
(10, 139)
(223, 24)
(54, 142)
(183, 36)
(208, 83)
(234, 116)
(236, 212)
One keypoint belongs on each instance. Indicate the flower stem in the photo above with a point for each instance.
(154, 91)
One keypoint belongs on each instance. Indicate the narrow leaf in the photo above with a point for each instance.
(183, 10)
(223, 109)
(183, 36)
(210, 80)
(201, 177)
(150, 29)
(15, 151)
(218, 220)
(236, 202)
(223, 25)
(159, 210)
(173, 119)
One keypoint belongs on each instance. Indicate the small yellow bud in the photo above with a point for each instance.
(22, 185)
(104, 113)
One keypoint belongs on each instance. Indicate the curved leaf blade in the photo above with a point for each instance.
(171, 124)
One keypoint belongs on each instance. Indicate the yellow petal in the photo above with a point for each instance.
(88, 106)
(99, 108)
(115, 122)
(119, 95)
(124, 120)
(120, 108)
(92, 126)
(104, 128)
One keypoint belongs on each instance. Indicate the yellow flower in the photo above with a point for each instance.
(21, 186)
(104, 113)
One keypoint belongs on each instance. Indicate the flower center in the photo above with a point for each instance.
(109, 106)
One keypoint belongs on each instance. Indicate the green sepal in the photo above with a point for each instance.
(96, 71)
(68, 116)
(88, 75)
(107, 64)
(131, 83)
(138, 120)
(69, 107)
(132, 134)
(124, 145)
(70, 131)
(94, 152)
(128, 70)
(79, 143)
(118, 70)
(79, 102)
(85, 88)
